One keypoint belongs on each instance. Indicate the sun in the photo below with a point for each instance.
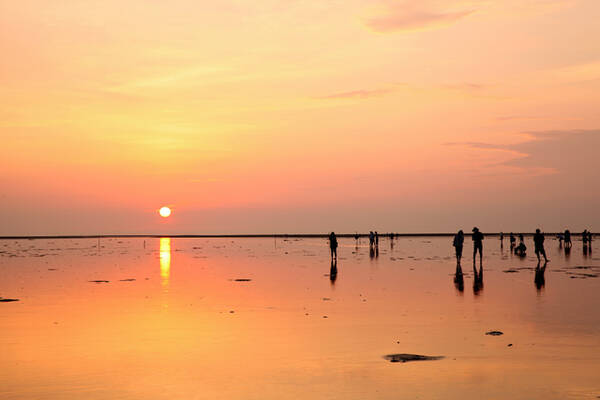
(164, 212)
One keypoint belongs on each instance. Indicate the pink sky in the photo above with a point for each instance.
(271, 116)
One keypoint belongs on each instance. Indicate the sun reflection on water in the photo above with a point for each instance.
(165, 260)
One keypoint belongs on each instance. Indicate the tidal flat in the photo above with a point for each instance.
(265, 318)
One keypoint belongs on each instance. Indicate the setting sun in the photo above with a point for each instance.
(164, 212)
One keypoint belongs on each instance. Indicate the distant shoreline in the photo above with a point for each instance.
(273, 235)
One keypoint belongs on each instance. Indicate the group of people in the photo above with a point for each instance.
(520, 249)
(459, 240)
(586, 238)
(477, 237)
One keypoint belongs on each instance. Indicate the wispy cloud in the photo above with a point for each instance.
(478, 145)
(360, 94)
(568, 152)
(517, 117)
(403, 18)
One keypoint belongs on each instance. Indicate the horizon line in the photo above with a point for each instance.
(252, 235)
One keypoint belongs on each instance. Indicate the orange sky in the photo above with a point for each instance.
(294, 116)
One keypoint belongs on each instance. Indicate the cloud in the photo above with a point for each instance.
(517, 117)
(571, 153)
(403, 18)
(360, 94)
(477, 145)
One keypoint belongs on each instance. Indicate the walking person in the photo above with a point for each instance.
(333, 245)
(538, 241)
(477, 238)
(459, 239)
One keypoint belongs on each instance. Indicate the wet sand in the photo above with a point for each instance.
(265, 318)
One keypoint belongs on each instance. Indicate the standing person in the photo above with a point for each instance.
(538, 240)
(521, 238)
(477, 238)
(513, 240)
(459, 239)
(501, 239)
(376, 239)
(584, 237)
(568, 243)
(371, 238)
(333, 245)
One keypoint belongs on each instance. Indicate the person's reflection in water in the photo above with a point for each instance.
(376, 251)
(540, 280)
(371, 252)
(567, 251)
(477, 280)
(333, 271)
(459, 281)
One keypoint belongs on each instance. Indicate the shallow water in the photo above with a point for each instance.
(263, 319)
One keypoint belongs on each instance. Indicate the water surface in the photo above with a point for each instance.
(267, 319)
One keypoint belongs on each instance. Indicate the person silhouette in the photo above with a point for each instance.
(568, 242)
(477, 238)
(501, 239)
(590, 240)
(584, 237)
(560, 238)
(371, 238)
(521, 238)
(513, 240)
(539, 279)
(333, 245)
(459, 239)
(538, 241)
(376, 239)
(521, 250)
(333, 271)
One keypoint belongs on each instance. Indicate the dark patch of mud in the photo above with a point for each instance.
(494, 333)
(403, 357)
